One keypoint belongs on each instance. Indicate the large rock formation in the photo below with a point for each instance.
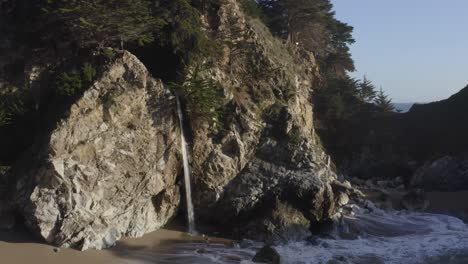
(109, 168)
(266, 174)
(445, 174)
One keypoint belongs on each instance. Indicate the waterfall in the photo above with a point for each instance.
(188, 190)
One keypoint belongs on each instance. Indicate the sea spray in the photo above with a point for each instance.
(188, 190)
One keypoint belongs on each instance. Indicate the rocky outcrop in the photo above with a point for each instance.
(266, 174)
(445, 174)
(109, 168)
(268, 255)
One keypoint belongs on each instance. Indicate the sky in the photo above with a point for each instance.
(417, 50)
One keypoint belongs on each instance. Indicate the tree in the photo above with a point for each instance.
(104, 22)
(251, 8)
(288, 17)
(312, 25)
(337, 102)
(233, 38)
(366, 92)
(201, 94)
(183, 31)
(383, 103)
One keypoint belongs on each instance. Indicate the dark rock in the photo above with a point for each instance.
(7, 215)
(268, 255)
(445, 174)
(280, 203)
(415, 200)
(246, 243)
(313, 240)
(7, 220)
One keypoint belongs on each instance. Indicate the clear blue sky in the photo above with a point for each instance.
(416, 49)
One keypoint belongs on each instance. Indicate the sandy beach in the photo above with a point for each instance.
(170, 245)
(18, 247)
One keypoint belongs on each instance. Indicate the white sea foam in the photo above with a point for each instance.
(385, 237)
(365, 236)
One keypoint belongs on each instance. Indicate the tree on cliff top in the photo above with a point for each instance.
(383, 103)
(312, 25)
(366, 91)
(104, 22)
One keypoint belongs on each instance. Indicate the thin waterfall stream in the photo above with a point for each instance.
(188, 189)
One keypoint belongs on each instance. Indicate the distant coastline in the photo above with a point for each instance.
(403, 107)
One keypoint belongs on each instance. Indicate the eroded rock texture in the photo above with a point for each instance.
(266, 173)
(109, 169)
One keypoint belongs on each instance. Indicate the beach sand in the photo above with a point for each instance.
(18, 247)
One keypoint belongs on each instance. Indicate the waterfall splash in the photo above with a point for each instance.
(188, 190)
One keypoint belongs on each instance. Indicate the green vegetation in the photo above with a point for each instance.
(183, 32)
(108, 53)
(366, 92)
(104, 22)
(4, 115)
(201, 94)
(251, 8)
(4, 170)
(70, 83)
(97, 24)
(294, 137)
(89, 72)
(383, 103)
(3, 173)
(234, 39)
(311, 24)
(345, 99)
(11, 108)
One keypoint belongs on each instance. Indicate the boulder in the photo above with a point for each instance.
(445, 174)
(109, 167)
(273, 203)
(7, 218)
(268, 255)
(415, 200)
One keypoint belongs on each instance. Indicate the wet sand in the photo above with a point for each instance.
(18, 247)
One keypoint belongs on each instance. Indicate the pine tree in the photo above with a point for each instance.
(287, 18)
(104, 22)
(251, 8)
(312, 25)
(366, 92)
(233, 38)
(383, 103)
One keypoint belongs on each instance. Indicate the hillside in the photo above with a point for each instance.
(397, 144)
(438, 128)
(90, 129)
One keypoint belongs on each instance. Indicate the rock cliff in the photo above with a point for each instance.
(268, 158)
(110, 167)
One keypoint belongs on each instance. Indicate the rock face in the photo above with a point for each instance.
(445, 174)
(268, 255)
(266, 174)
(109, 168)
